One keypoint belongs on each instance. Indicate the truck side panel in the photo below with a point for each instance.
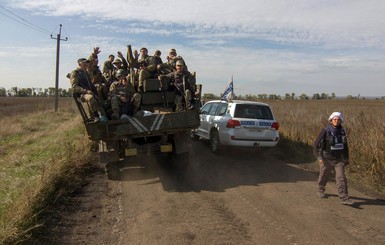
(141, 126)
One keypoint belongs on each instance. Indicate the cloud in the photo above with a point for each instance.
(272, 46)
(334, 24)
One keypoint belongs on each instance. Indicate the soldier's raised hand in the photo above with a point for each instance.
(96, 50)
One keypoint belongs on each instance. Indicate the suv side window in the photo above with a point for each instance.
(205, 109)
(222, 109)
(213, 109)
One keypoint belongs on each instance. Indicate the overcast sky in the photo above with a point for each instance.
(269, 47)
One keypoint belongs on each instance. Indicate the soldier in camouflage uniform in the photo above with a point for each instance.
(184, 85)
(170, 65)
(97, 77)
(124, 99)
(83, 87)
(119, 63)
(149, 68)
(108, 68)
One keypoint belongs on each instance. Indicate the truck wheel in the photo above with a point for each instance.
(193, 136)
(175, 161)
(181, 161)
(215, 144)
(112, 170)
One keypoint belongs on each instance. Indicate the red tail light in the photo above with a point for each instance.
(275, 125)
(233, 123)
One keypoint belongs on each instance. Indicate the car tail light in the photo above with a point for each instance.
(233, 123)
(275, 125)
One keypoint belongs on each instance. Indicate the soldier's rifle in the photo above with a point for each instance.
(161, 88)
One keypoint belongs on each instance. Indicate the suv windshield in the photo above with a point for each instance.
(253, 111)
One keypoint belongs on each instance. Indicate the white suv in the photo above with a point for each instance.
(237, 123)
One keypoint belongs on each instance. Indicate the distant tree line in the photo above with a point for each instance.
(288, 96)
(34, 92)
(50, 92)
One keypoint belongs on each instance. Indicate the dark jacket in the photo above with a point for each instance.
(81, 81)
(332, 144)
(182, 81)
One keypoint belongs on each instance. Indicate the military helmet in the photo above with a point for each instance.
(117, 60)
(120, 73)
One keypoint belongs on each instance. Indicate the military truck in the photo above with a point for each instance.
(156, 128)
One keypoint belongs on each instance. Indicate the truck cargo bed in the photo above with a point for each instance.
(142, 126)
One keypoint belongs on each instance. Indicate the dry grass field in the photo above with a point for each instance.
(41, 151)
(302, 120)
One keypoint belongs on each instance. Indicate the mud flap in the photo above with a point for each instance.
(108, 151)
(111, 156)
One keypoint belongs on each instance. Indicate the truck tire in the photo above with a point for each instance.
(215, 143)
(175, 161)
(181, 161)
(112, 170)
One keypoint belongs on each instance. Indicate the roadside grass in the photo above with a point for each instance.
(41, 152)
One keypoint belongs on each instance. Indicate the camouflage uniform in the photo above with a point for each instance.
(80, 83)
(118, 90)
(184, 85)
(170, 65)
(124, 66)
(149, 69)
(107, 70)
(97, 77)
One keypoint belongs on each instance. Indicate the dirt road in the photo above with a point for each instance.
(239, 197)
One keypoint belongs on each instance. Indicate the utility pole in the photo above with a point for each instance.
(57, 66)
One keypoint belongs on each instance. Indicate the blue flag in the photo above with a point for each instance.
(229, 91)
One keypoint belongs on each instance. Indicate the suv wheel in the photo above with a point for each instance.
(215, 144)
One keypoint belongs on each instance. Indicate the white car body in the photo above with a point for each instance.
(237, 123)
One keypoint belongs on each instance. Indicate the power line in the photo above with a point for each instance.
(24, 21)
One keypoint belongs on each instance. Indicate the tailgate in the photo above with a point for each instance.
(152, 125)
(255, 130)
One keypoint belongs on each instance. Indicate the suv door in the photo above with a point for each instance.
(204, 117)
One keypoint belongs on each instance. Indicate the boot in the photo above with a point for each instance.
(96, 116)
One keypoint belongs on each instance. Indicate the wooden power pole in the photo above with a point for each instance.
(57, 67)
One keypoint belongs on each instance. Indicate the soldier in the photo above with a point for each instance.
(97, 77)
(184, 85)
(170, 65)
(143, 59)
(83, 87)
(119, 63)
(149, 69)
(108, 68)
(124, 99)
(157, 58)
